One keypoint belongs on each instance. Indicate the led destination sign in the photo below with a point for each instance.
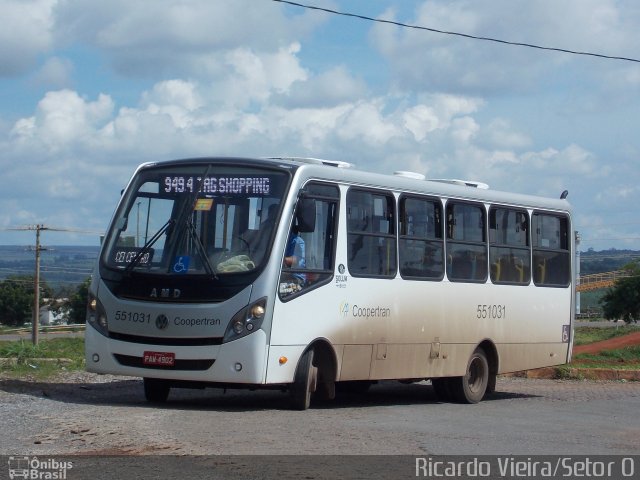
(126, 255)
(223, 184)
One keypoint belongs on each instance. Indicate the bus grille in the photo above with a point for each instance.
(178, 342)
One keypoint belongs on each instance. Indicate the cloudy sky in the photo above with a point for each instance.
(89, 90)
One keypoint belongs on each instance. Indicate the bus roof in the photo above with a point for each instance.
(409, 182)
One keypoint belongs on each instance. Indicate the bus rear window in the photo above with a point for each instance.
(551, 250)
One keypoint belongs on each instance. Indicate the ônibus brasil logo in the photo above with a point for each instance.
(34, 468)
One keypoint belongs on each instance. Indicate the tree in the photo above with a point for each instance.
(622, 301)
(16, 299)
(77, 304)
(74, 307)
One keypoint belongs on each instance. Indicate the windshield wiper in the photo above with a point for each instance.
(202, 251)
(184, 220)
(147, 246)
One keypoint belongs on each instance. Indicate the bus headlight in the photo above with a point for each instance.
(97, 316)
(247, 320)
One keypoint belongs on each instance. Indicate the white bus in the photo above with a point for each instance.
(307, 275)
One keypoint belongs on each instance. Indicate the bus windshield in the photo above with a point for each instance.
(196, 219)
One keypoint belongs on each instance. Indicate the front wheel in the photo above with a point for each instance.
(156, 390)
(473, 385)
(304, 382)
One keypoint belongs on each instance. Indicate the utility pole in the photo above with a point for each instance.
(36, 288)
(36, 280)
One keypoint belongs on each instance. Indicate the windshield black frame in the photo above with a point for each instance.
(215, 219)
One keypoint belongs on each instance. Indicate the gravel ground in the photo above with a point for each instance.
(84, 413)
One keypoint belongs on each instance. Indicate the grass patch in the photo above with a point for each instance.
(567, 372)
(27, 357)
(627, 358)
(5, 328)
(586, 335)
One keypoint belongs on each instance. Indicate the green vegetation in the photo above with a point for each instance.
(627, 358)
(41, 361)
(16, 299)
(591, 301)
(623, 299)
(17, 295)
(76, 305)
(585, 335)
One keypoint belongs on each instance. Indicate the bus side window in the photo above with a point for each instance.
(509, 252)
(421, 242)
(371, 239)
(466, 242)
(551, 250)
(310, 251)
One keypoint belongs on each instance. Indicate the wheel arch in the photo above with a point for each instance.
(324, 357)
(491, 352)
(326, 365)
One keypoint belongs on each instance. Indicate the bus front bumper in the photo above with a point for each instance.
(241, 361)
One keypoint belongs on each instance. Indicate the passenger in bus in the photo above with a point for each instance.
(294, 258)
(294, 255)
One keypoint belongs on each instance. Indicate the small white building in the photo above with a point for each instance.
(48, 317)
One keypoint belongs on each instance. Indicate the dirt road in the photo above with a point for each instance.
(611, 344)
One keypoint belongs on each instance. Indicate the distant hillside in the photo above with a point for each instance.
(61, 265)
(593, 261)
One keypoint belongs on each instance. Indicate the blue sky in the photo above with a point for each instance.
(88, 90)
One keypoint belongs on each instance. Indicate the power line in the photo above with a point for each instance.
(52, 229)
(458, 34)
(594, 239)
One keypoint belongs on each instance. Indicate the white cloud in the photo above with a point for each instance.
(25, 33)
(464, 130)
(500, 133)
(366, 122)
(426, 61)
(56, 73)
(176, 98)
(243, 78)
(165, 37)
(255, 77)
(329, 88)
(420, 120)
(63, 120)
(572, 160)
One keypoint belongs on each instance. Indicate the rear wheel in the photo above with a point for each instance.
(156, 390)
(473, 385)
(304, 382)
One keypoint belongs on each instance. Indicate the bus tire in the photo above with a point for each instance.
(156, 390)
(304, 382)
(472, 387)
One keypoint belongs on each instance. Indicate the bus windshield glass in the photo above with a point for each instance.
(196, 219)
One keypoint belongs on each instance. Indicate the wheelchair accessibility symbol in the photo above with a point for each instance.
(181, 264)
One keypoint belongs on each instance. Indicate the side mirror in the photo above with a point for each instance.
(306, 215)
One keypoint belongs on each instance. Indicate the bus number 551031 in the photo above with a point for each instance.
(491, 311)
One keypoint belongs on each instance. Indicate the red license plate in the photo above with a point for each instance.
(163, 359)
